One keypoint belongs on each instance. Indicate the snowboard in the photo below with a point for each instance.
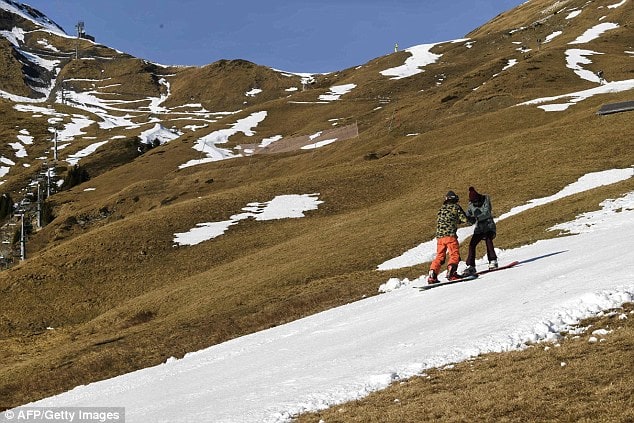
(435, 285)
(514, 263)
(466, 278)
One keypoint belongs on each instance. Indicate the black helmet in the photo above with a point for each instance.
(452, 196)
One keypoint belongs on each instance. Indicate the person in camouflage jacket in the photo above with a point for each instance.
(450, 216)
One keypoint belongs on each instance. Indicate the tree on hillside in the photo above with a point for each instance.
(47, 213)
(75, 176)
(143, 146)
(6, 206)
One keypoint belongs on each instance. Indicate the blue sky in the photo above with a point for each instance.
(295, 36)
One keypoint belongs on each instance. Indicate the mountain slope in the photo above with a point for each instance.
(122, 294)
(345, 353)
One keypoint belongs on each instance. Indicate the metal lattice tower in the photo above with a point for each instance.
(80, 33)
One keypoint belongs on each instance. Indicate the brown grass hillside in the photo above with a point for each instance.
(105, 291)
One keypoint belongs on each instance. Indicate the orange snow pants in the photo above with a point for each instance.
(443, 245)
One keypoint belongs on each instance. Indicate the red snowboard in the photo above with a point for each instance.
(482, 272)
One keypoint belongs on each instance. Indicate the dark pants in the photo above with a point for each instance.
(475, 240)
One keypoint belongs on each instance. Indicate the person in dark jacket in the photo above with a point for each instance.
(480, 212)
(450, 216)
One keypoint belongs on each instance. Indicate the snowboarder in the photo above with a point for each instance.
(480, 212)
(450, 216)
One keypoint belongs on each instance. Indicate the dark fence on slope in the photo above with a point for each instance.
(623, 106)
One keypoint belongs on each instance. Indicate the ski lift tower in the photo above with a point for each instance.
(21, 213)
(81, 30)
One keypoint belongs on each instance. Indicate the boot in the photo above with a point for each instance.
(432, 278)
(470, 270)
(493, 264)
(452, 272)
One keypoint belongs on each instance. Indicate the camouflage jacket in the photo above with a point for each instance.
(450, 216)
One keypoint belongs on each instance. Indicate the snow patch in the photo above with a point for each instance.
(281, 207)
(421, 56)
(594, 32)
(336, 92)
(208, 144)
(160, 133)
(576, 97)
